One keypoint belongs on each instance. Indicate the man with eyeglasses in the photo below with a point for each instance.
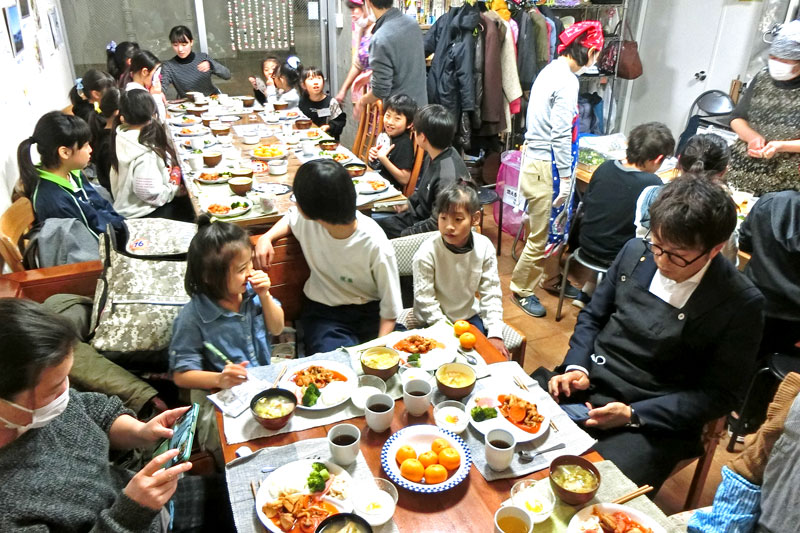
(668, 341)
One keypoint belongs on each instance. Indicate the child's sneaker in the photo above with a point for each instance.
(581, 301)
(530, 304)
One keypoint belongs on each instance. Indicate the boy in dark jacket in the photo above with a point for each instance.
(435, 127)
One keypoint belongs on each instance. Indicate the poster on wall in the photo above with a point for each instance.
(14, 27)
(55, 27)
(24, 8)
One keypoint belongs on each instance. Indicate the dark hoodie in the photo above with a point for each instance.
(451, 40)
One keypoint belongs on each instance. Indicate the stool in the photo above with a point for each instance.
(576, 255)
(762, 388)
(487, 196)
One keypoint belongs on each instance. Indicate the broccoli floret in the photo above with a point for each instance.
(413, 360)
(479, 414)
(311, 395)
(315, 482)
(318, 466)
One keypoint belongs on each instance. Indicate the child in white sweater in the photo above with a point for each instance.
(451, 268)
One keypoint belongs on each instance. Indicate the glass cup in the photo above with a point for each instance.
(344, 441)
(376, 506)
(417, 396)
(379, 412)
(535, 497)
(499, 449)
(511, 519)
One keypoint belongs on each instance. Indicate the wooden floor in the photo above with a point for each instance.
(548, 341)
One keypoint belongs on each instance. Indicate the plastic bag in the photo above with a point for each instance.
(507, 186)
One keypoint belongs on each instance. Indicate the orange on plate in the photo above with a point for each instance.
(467, 340)
(405, 452)
(428, 458)
(438, 445)
(449, 458)
(435, 474)
(412, 470)
(460, 327)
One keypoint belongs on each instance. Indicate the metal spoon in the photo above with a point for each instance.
(470, 358)
(527, 457)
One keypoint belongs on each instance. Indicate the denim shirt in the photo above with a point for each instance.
(241, 336)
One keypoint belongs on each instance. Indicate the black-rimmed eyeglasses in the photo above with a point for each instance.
(675, 259)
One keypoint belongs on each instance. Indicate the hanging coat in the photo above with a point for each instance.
(451, 40)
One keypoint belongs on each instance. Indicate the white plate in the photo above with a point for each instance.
(420, 438)
(185, 121)
(195, 131)
(363, 186)
(222, 179)
(583, 518)
(187, 144)
(433, 359)
(500, 422)
(282, 156)
(295, 471)
(233, 212)
(229, 118)
(325, 154)
(178, 108)
(345, 370)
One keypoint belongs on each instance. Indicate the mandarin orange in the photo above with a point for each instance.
(428, 458)
(450, 458)
(467, 340)
(412, 470)
(460, 327)
(435, 474)
(438, 445)
(405, 452)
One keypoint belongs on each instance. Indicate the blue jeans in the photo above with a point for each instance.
(326, 328)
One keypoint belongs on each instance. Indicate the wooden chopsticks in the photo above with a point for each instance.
(254, 488)
(280, 375)
(644, 489)
(524, 387)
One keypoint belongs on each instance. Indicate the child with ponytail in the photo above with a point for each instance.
(57, 188)
(87, 91)
(144, 72)
(101, 123)
(143, 181)
(118, 57)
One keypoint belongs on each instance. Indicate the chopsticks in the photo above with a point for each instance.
(524, 387)
(280, 375)
(254, 488)
(644, 489)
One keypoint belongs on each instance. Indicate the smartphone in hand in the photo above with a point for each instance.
(182, 437)
(577, 412)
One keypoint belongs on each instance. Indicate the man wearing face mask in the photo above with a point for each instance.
(767, 119)
(54, 441)
(549, 156)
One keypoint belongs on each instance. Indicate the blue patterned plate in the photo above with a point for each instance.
(420, 438)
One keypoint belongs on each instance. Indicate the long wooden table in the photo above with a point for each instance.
(468, 507)
(282, 202)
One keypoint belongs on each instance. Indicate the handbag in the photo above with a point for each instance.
(621, 57)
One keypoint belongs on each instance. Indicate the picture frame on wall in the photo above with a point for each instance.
(14, 27)
(55, 27)
(24, 8)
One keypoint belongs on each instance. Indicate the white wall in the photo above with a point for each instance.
(28, 90)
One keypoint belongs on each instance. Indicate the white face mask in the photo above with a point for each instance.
(781, 71)
(41, 416)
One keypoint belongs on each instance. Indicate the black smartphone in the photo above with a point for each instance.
(578, 412)
(182, 437)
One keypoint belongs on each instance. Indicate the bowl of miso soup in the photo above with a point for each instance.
(575, 480)
(274, 407)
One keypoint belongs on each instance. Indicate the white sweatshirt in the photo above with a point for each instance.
(157, 98)
(552, 108)
(445, 284)
(142, 182)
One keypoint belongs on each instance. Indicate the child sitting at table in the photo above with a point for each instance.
(435, 127)
(395, 159)
(87, 91)
(101, 124)
(231, 308)
(145, 179)
(144, 73)
(286, 84)
(454, 266)
(118, 57)
(268, 67)
(353, 292)
(57, 188)
(324, 111)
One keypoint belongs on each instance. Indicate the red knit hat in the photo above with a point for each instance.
(594, 35)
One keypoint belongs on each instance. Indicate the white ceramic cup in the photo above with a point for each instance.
(499, 454)
(197, 143)
(195, 161)
(417, 404)
(510, 511)
(309, 147)
(344, 454)
(379, 420)
(287, 128)
(251, 139)
(267, 203)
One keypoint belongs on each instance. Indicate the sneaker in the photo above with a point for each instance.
(581, 301)
(571, 291)
(530, 304)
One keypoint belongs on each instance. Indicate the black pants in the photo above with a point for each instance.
(180, 209)
(326, 328)
(644, 456)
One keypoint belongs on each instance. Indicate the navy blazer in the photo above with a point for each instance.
(715, 355)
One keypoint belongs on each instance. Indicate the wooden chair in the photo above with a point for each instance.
(14, 223)
(712, 432)
(419, 157)
(369, 127)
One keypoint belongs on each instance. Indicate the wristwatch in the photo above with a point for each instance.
(634, 421)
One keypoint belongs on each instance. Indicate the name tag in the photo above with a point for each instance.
(324, 112)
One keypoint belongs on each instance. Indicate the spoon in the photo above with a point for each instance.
(470, 358)
(527, 457)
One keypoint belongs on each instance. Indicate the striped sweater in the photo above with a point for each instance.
(184, 76)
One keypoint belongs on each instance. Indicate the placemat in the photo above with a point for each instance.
(613, 485)
(244, 427)
(576, 439)
(240, 472)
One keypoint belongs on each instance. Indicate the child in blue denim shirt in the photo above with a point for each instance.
(231, 308)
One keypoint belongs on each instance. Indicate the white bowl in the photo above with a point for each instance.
(251, 139)
(535, 497)
(278, 167)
